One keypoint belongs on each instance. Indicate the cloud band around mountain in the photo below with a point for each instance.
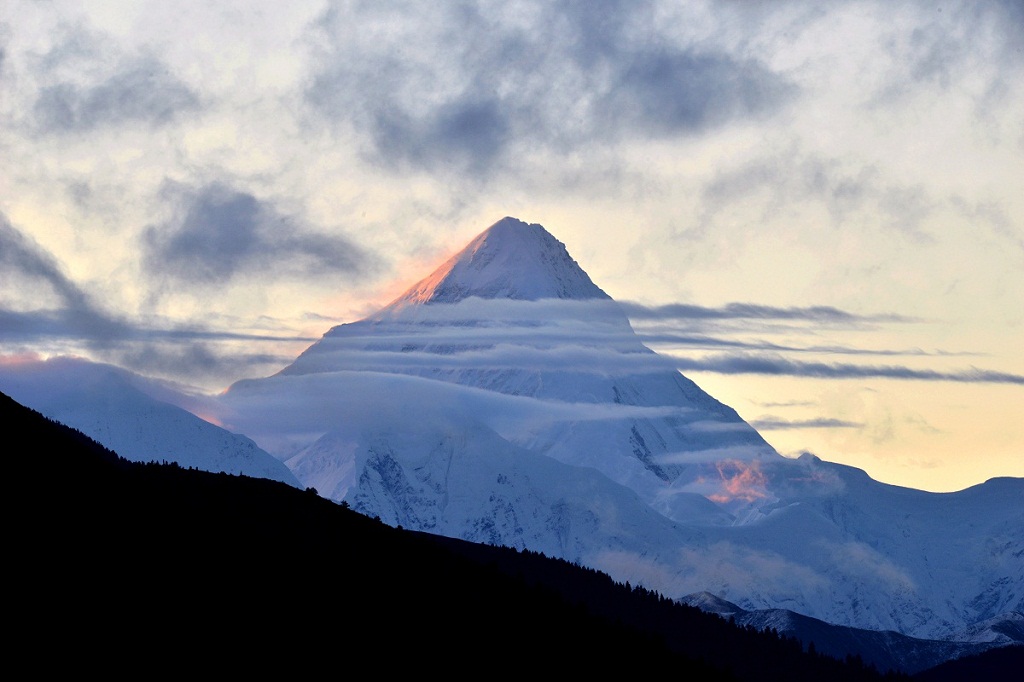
(753, 364)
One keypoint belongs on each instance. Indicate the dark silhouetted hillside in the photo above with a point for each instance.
(1005, 663)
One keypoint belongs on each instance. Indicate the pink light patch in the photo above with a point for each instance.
(740, 481)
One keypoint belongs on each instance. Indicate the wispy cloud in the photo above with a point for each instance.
(713, 342)
(769, 423)
(761, 364)
(748, 311)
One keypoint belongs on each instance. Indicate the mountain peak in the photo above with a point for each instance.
(510, 259)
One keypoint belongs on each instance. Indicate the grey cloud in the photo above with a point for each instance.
(471, 88)
(944, 43)
(648, 83)
(759, 364)
(468, 134)
(195, 354)
(198, 362)
(143, 91)
(598, 311)
(780, 424)
(22, 256)
(220, 233)
(974, 50)
(683, 91)
(175, 349)
(582, 359)
(993, 215)
(710, 342)
(475, 323)
(843, 191)
(684, 311)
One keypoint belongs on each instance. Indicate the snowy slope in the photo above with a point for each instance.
(117, 409)
(461, 479)
(844, 548)
(505, 398)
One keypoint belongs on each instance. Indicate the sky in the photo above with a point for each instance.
(815, 209)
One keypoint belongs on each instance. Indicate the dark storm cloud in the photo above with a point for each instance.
(141, 91)
(220, 233)
(759, 364)
(469, 89)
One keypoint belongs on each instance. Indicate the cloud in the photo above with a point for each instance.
(731, 453)
(870, 566)
(295, 406)
(219, 233)
(477, 89)
(469, 134)
(89, 86)
(22, 257)
(746, 311)
(501, 356)
(735, 572)
(968, 39)
(201, 364)
(780, 424)
(675, 91)
(772, 365)
(844, 188)
(155, 346)
(710, 342)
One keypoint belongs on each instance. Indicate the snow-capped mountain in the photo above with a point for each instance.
(506, 399)
(515, 315)
(125, 413)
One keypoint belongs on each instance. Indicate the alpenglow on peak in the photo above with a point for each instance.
(510, 259)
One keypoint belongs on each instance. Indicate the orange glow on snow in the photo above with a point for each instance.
(209, 418)
(740, 481)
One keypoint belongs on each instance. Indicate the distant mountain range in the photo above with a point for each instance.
(505, 400)
(886, 650)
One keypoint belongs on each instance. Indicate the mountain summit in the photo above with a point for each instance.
(510, 259)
